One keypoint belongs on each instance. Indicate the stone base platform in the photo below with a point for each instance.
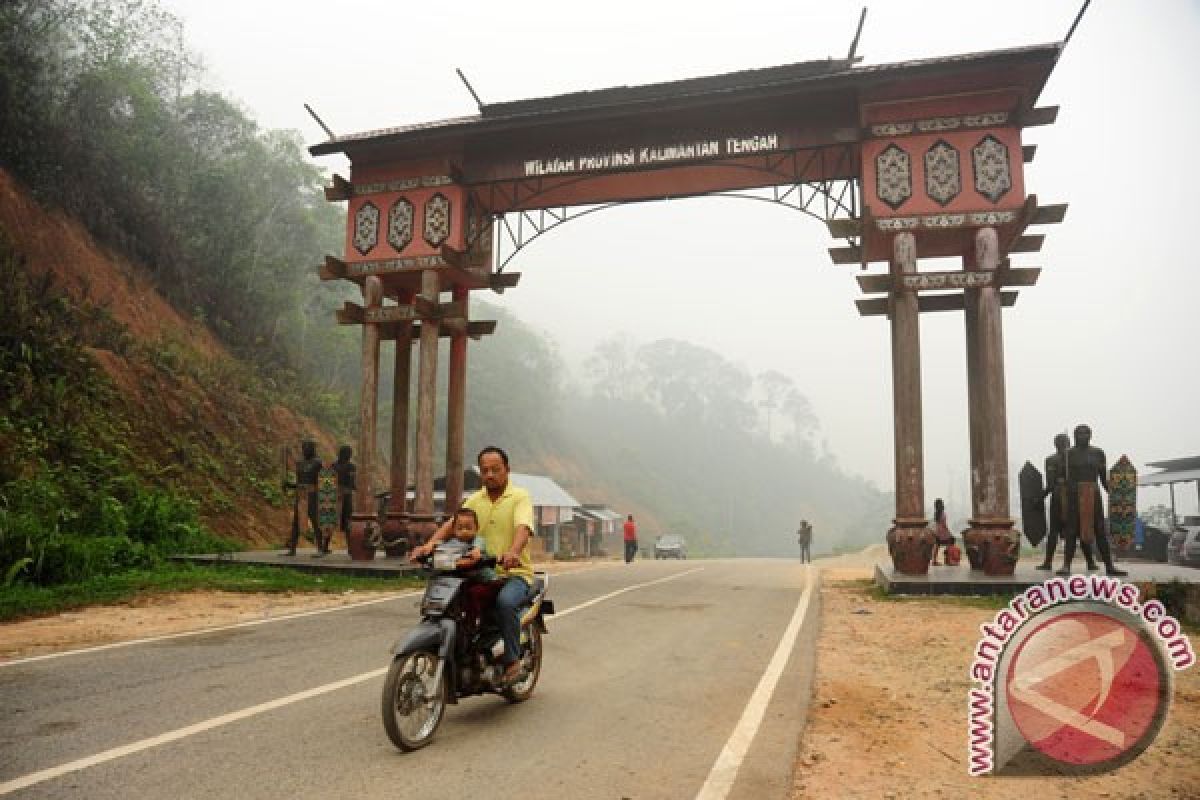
(961, 580)
(334, 563)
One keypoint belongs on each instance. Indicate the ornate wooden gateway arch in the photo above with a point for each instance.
(902, 161)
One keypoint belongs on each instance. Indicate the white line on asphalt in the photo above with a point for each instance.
(602, 598)
(33, 778)
(580, 570)
(201, 631)
(190, 730)
(725, 769)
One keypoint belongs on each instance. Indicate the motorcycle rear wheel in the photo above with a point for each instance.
(413, 704)
(522, 690)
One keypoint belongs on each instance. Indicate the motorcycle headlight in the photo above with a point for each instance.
(444, 560)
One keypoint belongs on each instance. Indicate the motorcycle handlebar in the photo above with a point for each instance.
(487, 561)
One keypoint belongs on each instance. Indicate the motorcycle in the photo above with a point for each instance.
(444, 659)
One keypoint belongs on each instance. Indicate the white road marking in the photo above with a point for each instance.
(580, 570)
(725, 769)
(41, 776)
(171, 736)
(201, 631)
(602, 598)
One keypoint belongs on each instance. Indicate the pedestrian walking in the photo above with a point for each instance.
(804, 539)
(631, 543)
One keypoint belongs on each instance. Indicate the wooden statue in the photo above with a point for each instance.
(1085, 507)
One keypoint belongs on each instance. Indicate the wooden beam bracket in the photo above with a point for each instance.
(476, 329)
(846, 255)
(332, 270)
(341, 189)
(426, 308)
(499, 281)
(879, 306)
(844, 228)
(955, 279)
(351, 314)
(1046, 115)
(452, 256)
(1049, 215)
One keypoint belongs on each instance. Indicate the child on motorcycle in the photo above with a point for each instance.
(481, 592)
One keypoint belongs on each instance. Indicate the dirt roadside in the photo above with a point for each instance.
(888, 717)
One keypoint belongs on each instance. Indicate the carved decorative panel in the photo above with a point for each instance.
(366, 228)
(437, 220)
(893, 176)
(400, 224)
(993, 176)
(943, 178)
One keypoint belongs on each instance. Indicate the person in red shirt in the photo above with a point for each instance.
(631, 545)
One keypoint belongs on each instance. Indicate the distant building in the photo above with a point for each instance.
(563, 523)
(604, 531)
(553, 508)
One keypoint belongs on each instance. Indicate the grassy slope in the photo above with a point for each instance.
(199, 420)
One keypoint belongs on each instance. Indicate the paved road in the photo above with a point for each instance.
(654, 672)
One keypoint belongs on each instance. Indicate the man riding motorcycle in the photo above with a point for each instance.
(505, 514)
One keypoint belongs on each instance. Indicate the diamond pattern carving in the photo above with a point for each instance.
(366, 227)
(893, 176)
(437, 220)
(400, 224)
(993, 177)
(943, 178)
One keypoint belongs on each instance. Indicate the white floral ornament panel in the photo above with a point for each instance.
(943, 178)
(366, 227)
(400, 224)
(993, 177)
(437, 220)
(893, 176)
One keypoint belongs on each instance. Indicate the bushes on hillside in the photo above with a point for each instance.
(71, 505)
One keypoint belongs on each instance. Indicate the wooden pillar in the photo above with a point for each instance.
(402, 391)
(993, 433)
(426, 406)
(909, 541)
(974, 409)
(368, 403)
(992, 543)
(456, 409)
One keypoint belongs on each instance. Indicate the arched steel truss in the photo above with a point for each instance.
(822, 201)
(835, 198)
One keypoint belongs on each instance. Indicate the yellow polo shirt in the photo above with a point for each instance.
(498, 523)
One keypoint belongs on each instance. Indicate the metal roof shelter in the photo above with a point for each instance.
(603, 512)
(1175, 470)
(542, 490)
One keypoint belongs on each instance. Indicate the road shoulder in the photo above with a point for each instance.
(888, 714)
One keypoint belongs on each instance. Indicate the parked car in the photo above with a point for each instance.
(670, 546)
(1184, 547)
(1154, 544)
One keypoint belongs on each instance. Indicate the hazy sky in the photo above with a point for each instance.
(1108, 336)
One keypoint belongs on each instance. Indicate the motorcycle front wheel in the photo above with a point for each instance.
(521, 691)
(414, 700)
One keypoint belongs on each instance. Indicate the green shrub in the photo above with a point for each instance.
(72, 505)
